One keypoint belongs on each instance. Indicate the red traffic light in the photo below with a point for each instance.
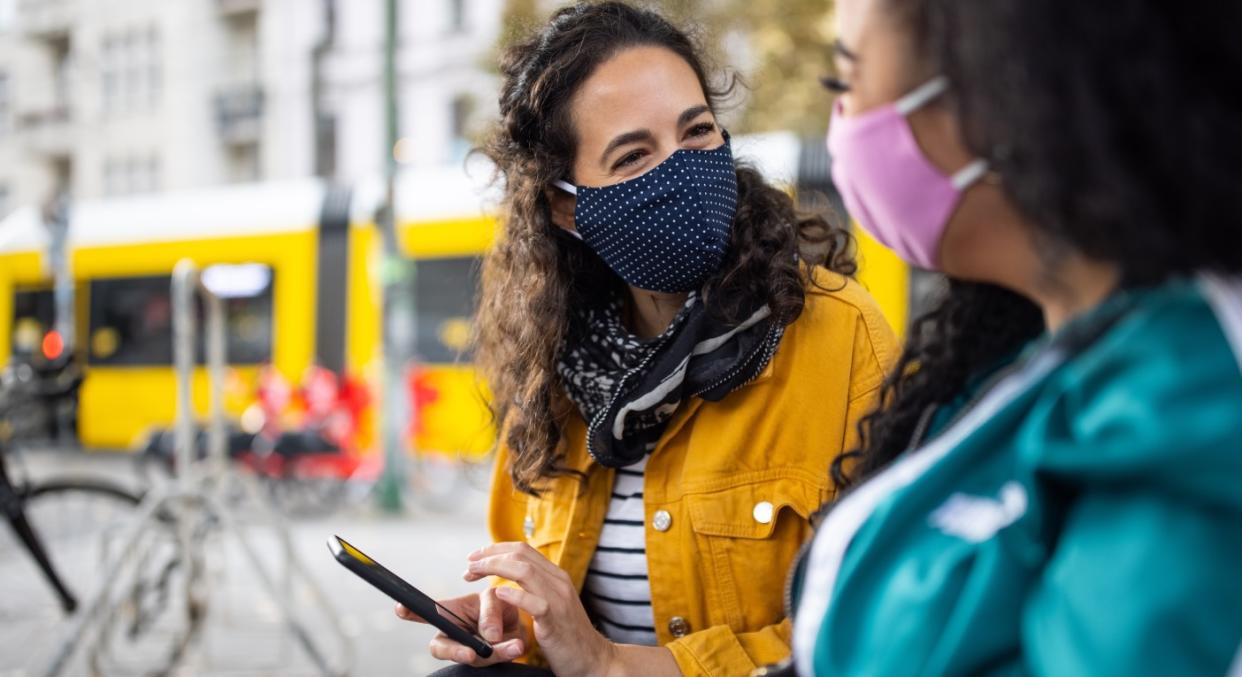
(53, 345)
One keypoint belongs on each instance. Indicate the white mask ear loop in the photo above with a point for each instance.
(970, 174)
(922, 95)
(568, 188)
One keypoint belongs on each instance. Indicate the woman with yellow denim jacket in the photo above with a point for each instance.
(677, 358)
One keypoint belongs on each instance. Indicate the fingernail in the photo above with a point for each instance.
(502, 591)
(513, 651)
(475, 554)
(464, 656)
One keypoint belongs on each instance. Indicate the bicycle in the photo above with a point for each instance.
(63, 524)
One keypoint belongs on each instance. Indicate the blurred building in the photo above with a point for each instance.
(446, 82)
(110, 98)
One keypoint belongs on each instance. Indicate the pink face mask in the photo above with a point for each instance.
(888, 184)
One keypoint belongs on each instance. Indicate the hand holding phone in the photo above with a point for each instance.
(497, 622)
(408, 596)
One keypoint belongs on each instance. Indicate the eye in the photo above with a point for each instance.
(834, 84)
(629, 159)
(701, 129)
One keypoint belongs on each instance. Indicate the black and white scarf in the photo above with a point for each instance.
(628, 388)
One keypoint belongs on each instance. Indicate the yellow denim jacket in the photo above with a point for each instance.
(729, 489)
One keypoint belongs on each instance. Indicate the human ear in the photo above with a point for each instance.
(562, 206)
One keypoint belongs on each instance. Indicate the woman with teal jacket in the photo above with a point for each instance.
(1054, 482)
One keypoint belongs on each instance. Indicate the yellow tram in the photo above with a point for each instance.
(308, 254)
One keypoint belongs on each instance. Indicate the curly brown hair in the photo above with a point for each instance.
(535, 276)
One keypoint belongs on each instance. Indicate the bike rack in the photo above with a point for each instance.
(200, 491)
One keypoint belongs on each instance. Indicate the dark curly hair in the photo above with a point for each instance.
(1116, 129)
(534, 277)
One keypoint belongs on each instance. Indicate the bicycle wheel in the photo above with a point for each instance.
(75, 520)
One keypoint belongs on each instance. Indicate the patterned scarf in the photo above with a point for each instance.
(628, 388)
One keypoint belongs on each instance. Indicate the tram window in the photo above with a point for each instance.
(131, 324)
(34, 313)
(248, 322)
(444, 291)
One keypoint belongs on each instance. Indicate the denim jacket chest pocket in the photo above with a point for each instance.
(748, 536)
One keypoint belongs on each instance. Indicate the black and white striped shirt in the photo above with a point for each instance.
(616, 582)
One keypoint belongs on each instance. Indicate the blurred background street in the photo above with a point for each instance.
(243, 635)
(300, 170)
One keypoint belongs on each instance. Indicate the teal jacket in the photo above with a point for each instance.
(1081, 516)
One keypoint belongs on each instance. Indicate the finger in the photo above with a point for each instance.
(497, 549)
(520, 571)
(491, 623)
(520, 552)
(532, 604)
(407, 615)
(508, 650)
(446, 649)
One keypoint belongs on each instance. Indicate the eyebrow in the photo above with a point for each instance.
(843, 51)
(628, 137)
(691, 113)
(686, 117)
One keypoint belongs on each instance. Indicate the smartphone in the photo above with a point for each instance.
(409, 596)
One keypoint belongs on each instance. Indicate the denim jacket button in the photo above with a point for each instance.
(661, 521)
(763, 512)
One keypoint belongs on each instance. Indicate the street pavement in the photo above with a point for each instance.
(242, 633)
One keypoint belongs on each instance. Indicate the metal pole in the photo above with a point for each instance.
(395, 274)
(56, 218)
(184, 284)
(217, 369)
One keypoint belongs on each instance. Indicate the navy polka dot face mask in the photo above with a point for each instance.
(668, 229)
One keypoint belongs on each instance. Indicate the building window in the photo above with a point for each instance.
(132, 174)
(135, 74)
(461, 111)
(244, 163)
(110, 178)
(155, 68)
(457, 16)
(109, 75)
(155, 179)
(131, 71)
(62, 77)
(6, 105)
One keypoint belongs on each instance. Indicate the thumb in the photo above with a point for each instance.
(491, 623)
